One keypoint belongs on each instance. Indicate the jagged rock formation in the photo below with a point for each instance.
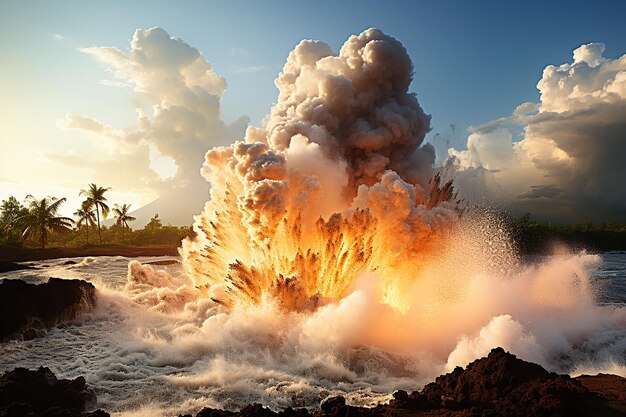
(6, 266)
(25, 393)
(498, 385)
(26, 309)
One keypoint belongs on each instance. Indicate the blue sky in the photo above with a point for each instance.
(474, 61)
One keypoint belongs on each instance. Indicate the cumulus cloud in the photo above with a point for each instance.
(177, 97)
(568, 164)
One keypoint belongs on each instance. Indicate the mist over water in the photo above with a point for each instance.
(566, 312)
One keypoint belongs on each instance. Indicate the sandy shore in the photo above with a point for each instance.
(29, 254)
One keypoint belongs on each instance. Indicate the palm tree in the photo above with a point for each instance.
(95, 198)
(43, 217)
(85, 216)
(121, 213)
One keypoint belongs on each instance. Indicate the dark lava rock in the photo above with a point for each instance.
(70, 263)
(611, 389)
(6, 266)
(164, 262)
(252, 410)
(26, 308)
(25, 393)
(498, 385)
(333, 405)
(503, 385)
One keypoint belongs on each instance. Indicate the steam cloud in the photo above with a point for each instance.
(567, 165)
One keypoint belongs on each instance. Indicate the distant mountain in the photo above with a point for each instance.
(177, 208)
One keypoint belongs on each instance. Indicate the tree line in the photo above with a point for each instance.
(37, 223)
(536, 237)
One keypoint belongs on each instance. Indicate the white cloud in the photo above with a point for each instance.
(57, 37)
(569, 165)
(179, 103)
(177, 96)
(75, 121)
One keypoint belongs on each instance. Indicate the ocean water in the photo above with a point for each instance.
(144, 357)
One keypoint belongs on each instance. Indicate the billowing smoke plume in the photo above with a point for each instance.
(568, 164)
(334, 184)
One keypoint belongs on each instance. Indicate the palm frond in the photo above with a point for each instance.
(104, 208)
(54, 207)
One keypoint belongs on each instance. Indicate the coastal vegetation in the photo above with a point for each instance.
(96, 200)
(42, 219)
(536, 237)
(36, 223)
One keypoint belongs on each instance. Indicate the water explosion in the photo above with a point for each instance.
(332, 257)
(334, 185)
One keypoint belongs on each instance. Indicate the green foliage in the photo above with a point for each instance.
(154, 223)
(86, 217)
(122, 217)
(39, 225)
(96, 199)
(12, 215)
(118, 235)
(533, 237)
(42, 218)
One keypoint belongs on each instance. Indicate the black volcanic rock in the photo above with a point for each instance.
(252, 410)
(498, 385)
(503, 385)
(6, 266)
(27, 308)
(25, 393)
(333, 405)
(164, 262)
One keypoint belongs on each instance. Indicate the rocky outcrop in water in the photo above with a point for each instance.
(6, 266)
(11, 255)
(25, 393)
(26, 309)
(503, 385)
(498, 385)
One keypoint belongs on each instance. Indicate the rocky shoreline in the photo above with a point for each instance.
(28, 309)
(10, 255)
(497, 385)
(25, 393)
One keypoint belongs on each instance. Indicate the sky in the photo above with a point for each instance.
(67, 109)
